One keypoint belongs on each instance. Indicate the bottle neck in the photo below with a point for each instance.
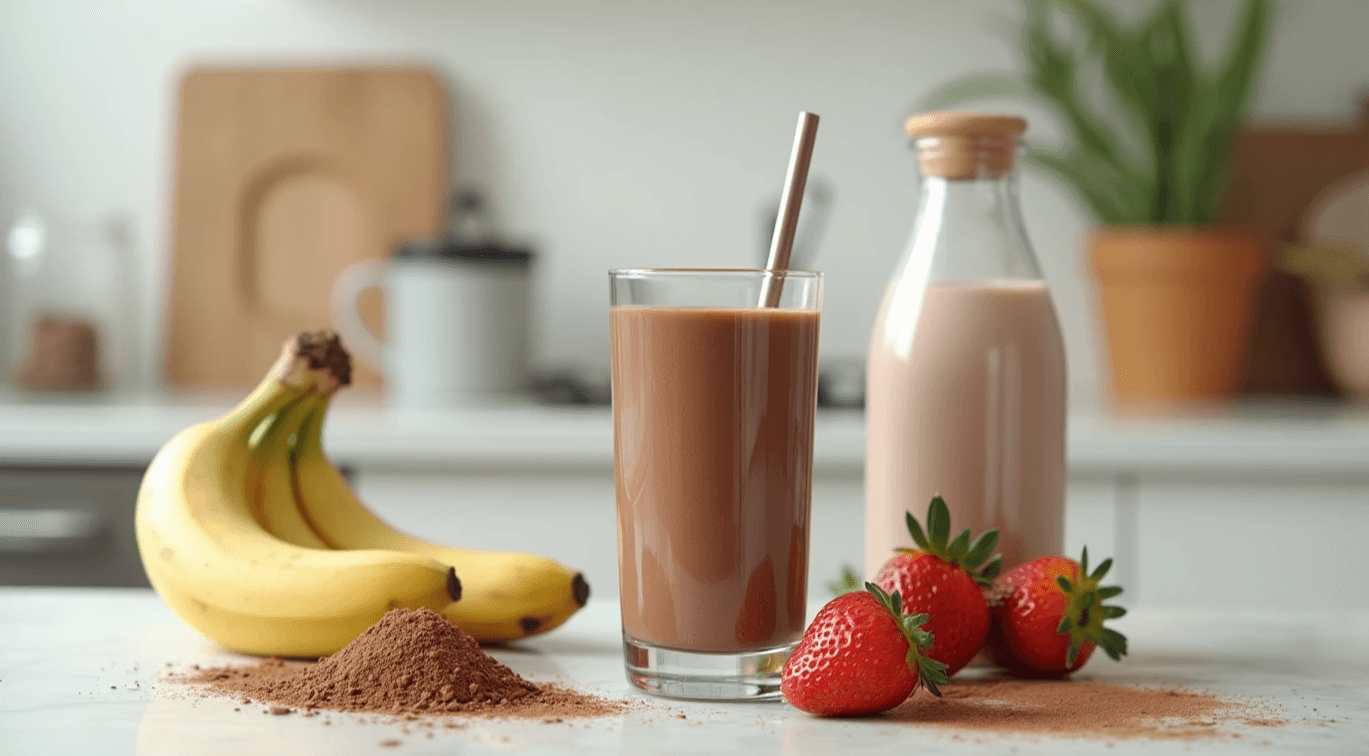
(969, 230)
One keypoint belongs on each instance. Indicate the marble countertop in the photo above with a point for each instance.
(1297, 438)
(79, 673)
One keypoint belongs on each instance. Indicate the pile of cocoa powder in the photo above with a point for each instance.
(411, 662)
(1078, 708)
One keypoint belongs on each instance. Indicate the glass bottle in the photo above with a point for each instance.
(966, 393)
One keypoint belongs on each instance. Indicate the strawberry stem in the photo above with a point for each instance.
(930, 673)
(1086, 612)
(961, 551)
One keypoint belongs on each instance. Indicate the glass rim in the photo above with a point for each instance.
(644, 272)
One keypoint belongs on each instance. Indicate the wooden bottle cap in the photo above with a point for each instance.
(965, 146)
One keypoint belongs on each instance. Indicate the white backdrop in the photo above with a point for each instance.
(608, 132)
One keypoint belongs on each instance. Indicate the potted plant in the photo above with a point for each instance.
(1149, 154)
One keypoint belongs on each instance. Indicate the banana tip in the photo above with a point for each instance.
(580, 589)
(453, 584)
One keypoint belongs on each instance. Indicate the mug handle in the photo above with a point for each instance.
(347, 288)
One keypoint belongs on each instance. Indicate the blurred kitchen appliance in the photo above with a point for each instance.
(457, 309)
(285, 176)
(1279, 170)
(1339, 219)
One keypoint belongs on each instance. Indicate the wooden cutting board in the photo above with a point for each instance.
(284, 176)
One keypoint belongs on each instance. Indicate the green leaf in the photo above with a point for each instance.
(1127, 66)
(1108, 591)
(1064, 583)
(918, 620)
(1073, 653)
(915, 531)
(1102, 570)
(849, 582)
(1113, 612)
(1092, 181)
(976, 87)
(980, 550)
(1066, 624)
(1217, 108)
(932, 685)
(992, 569)
(1113, 639)
(884, 598)
(956, 551)
(938, 524)
(1084, 562)
(1156, 147)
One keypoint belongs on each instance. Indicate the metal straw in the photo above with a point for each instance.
(782, 243)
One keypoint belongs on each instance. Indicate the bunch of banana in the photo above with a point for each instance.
(227, 576)
(282, 488)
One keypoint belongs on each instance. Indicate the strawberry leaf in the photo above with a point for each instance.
(1073, 653)
(1114, 640)
(1064, 583)
(849, 582)
(980, 550)
(991, 569)
(938, 524)
(1113, 612)
(915, 531)
(1084, 562)
(1108, 591)
(956, 551)
(1101, 571)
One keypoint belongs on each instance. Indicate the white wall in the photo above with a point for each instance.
(609, 132)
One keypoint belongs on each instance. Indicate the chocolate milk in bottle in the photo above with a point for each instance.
(966, 392)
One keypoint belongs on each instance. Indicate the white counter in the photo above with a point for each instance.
(1275, 438)
(78, 674)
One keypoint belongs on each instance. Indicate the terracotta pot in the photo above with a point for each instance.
(1177, 306)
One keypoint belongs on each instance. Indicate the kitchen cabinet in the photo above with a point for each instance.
(1248, 542)
(1237, 507)
(63, 526)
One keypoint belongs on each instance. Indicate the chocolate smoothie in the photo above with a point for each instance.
(713, 430)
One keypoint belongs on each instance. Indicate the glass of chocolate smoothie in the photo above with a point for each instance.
(714, 394)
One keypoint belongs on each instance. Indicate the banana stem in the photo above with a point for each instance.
(308, 362)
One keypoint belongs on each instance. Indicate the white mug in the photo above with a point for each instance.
(457, 321)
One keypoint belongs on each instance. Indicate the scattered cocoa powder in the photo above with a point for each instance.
(1078, 708)
(410, 663)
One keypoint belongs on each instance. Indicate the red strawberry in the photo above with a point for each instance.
(1052, 616)
(943, 580)
(861, 655)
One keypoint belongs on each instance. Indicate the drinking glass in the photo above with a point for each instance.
(714, 397)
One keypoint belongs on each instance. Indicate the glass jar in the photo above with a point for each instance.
(966, 384)
(70, 305)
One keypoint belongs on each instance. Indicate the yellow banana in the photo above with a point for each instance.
(271, 472)
(234, 582)
(504, 595)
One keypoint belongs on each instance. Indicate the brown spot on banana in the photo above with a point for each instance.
(580, 589)
(529, 625)
(453, 584)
